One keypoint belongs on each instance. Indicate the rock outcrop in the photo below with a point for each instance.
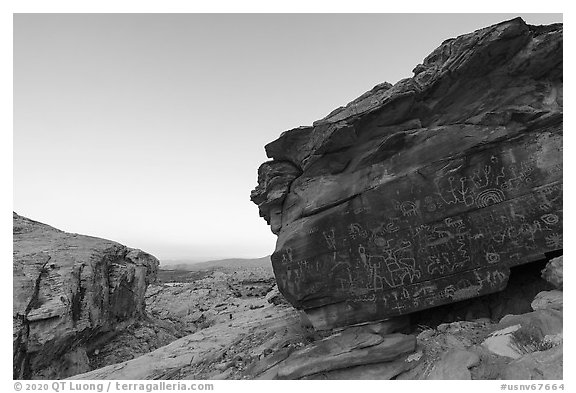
(425, 192)
(70, 290)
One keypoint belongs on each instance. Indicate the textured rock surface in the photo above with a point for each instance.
(275, 297)
(270, 341)
(548, 299)
(221, 351)
(454, 364)
(547, 365)
(68, 290)
(425, 192)
(554, 273)
(345, 350)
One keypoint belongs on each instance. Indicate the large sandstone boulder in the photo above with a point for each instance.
(553, 272)
(69, 290)
(425, 192)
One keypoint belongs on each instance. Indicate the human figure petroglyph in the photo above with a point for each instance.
(482, 180)
(460, 194)
(330, 237)
(395, 267)
(405, 257)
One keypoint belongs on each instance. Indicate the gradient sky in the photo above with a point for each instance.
(148, 129)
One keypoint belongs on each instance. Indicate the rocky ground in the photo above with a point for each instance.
(235, 325)
(184, 302)
(231, 322)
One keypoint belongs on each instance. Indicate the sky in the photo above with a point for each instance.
(148, 129)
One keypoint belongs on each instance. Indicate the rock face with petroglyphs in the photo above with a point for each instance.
(425, 192)
(70, 292)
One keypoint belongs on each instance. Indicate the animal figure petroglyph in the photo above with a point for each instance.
(395, 267)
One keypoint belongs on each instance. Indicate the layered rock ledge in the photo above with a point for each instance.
(69, 291)
(424, 192)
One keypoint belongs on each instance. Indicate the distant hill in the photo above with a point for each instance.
(230, 263)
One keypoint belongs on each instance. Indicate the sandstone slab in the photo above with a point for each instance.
(501, 343)
(454, 365)
(553, 273)
(426, 192)
(548, 300)
(543, 365)
(374, 372)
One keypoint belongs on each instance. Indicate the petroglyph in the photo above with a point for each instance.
(489, 197)
(409, 208)
(550, 219)
(554, 241)
(330, 238)
(492, 257)
(355, 230)
(394, 267)
(444, 237)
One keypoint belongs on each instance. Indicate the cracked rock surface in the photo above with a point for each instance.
(69, 290)
(425, 192)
